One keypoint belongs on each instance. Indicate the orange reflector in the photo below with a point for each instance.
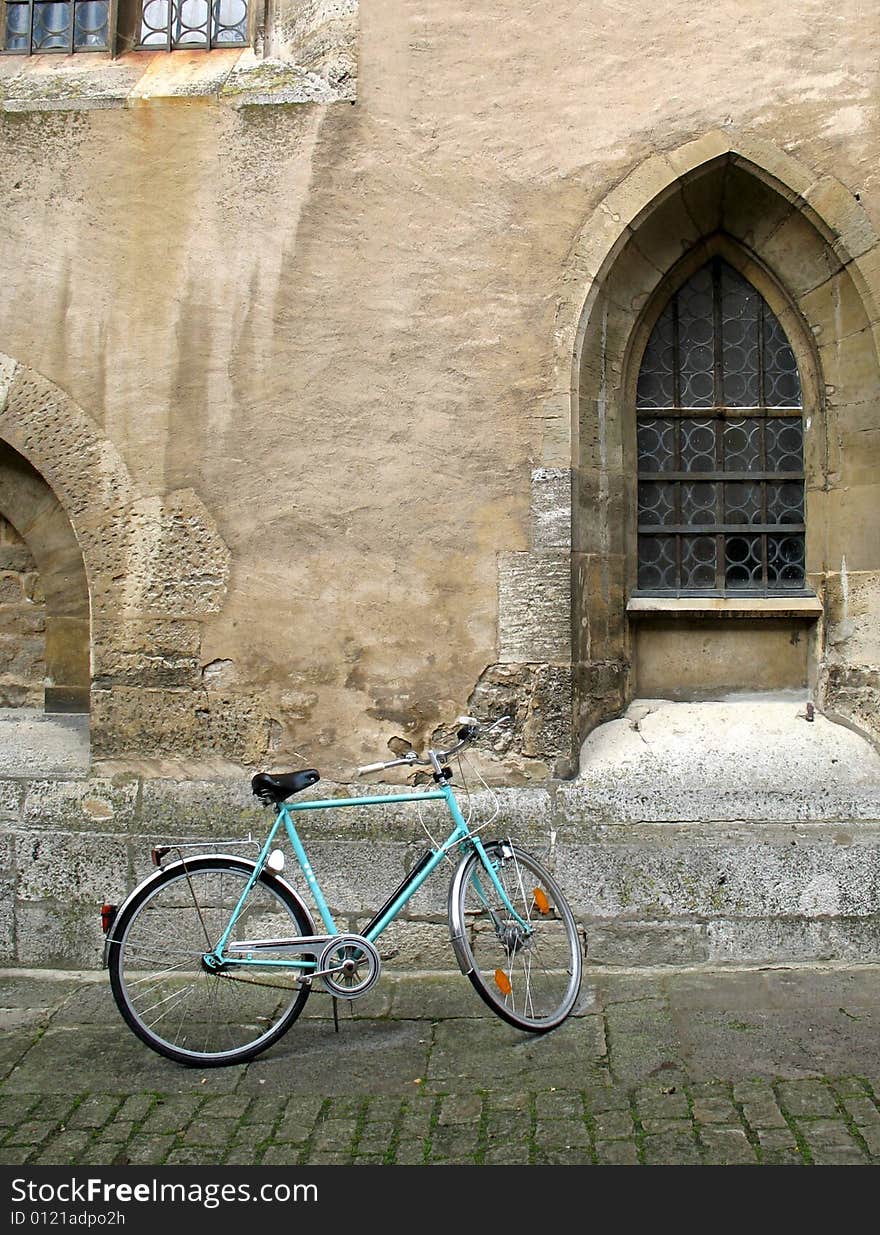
(502, 982)
(541, 900)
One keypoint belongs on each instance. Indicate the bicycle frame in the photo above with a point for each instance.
(460, 835)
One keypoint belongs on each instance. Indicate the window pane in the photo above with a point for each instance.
(90, 25)
(191, 24)
(742, 445)
(698, 445)
(696, 328)
(656, 386)
(657, 564)
(785, 502)
(698, 561)
(656, 503)
(782, 386)
(698, 503)
(742, 503)
(52, 26)
(230, 21)
(740, 313)
(785, 561)
(656, 445)
(17, 18)
(743, 561)
(785, 445)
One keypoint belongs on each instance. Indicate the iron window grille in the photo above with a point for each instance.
(720, 446)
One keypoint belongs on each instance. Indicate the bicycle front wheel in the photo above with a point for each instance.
(525, 965)
(165, 992)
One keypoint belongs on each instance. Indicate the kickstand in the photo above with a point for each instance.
(336, 1014)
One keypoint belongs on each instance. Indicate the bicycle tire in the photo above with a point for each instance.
(168, 998)
(532, 980)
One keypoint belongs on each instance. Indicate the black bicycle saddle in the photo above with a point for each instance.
(271, 790)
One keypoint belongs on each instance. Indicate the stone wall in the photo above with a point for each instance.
(325, 349)
(800, 884)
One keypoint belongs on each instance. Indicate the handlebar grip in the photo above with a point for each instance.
(370, 767)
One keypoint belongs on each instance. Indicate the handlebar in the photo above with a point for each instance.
(468, 729)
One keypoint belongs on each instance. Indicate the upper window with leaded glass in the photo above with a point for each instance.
(720, 446)
(33, 26)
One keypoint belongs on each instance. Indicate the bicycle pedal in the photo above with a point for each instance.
(389, 956)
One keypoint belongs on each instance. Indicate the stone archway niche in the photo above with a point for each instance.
(31, 507)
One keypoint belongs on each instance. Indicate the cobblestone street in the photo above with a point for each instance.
(685, 1067)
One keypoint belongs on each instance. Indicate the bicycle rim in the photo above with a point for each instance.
(529, 977)
(165, 993)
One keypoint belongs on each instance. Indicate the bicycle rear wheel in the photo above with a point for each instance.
(529, 975)
(165, 993)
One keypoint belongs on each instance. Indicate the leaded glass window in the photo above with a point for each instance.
(720, 446)
(36, 26)
(193, 23)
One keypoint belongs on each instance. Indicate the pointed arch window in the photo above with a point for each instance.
(720, 446)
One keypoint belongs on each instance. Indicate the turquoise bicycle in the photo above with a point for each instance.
(212, 957)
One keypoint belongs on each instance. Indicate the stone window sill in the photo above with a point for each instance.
(236, 77)
(807, 607)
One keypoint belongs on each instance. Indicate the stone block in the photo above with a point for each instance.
(146, 652)
(534, 607)
(60, 934)
(63, 868)
(752, 208)
(840, 212)
(180, 564)
(850, 366)
(178, 723)
(767, 160)
(793, 251)
(195, 807)
(835, 309)
(667, 233)
(551, 508)
(94, 804)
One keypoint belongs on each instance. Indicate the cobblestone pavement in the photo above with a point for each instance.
(738, 1066)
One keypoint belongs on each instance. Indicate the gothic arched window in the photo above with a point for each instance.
(720, 446)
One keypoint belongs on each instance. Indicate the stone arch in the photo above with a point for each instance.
(153, 568)
(807, 245)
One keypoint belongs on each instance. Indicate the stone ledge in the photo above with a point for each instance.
(235, 77)
(807, 607)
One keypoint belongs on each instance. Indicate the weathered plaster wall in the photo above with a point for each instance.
(321, 468)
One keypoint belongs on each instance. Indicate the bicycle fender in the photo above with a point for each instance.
(456, 927)
(269, 876)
